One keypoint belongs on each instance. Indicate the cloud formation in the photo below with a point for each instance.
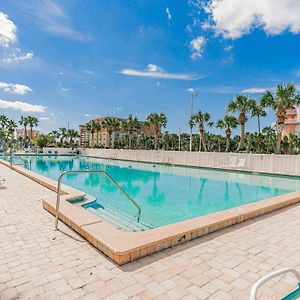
(21, 106)
(15, 88)
(168, 14)
(8, 31)
(154, 71)
(49, 16)
(232, 19)
(197, 46)
(17, 57)
(255, 90)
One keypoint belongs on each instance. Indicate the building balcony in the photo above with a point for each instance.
(292, 121)
(291, 111)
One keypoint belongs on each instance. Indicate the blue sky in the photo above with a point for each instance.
(70, 61)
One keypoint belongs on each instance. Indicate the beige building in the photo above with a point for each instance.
(21, 133)
(106, 139)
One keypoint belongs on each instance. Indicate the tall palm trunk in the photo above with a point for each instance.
(31, 132)
(92, 144)
(242, 140)
(278, 142)
(191, 138)
(129, 141)
(155, 141)
(97, 139)
(200, 141)
(25, 131)
(203, 141)
(228, 135)
(258, 123)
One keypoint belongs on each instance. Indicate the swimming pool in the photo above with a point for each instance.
(166, 194)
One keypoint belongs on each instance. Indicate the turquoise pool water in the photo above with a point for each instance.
(166, 194)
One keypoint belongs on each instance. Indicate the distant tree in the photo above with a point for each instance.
(258, 110)
(24, 121)
(228, 122)
(32, 122)
(284, 97)
(159, 121)
(110, 124)
(202, 119)
(242, 105)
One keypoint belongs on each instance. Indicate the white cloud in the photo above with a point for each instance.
(191, 90)
(228, 48)
(197, 46)
(154, 71)
(168, 14)
(8, 31)
(119, 108)
(65, 89)
(15, 88)
(22, 106)
(44, 118)
(16, 58)
(87, 115)
(88, 72)
(51, 17)
(255, 90)
(232, 19)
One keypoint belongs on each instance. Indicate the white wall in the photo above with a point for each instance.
(268, 163)
(59, 150)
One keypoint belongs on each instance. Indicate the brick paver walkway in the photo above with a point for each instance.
(40, 263)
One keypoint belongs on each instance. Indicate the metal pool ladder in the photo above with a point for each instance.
(90, 171)
(25, 162)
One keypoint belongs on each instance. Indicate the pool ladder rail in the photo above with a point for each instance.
(25, 162)
(58, 192)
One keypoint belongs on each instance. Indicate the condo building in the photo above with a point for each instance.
(292, 122)
(105, 138)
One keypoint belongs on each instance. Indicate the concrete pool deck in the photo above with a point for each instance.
(40, 263)
(124, 246)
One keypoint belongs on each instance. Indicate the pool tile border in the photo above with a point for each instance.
(122, 246)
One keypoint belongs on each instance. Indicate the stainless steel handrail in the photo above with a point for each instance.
(89, 171)
(11, 163)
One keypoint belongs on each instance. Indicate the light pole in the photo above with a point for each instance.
(193, 94)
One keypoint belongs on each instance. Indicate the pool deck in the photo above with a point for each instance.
(124, 246)
(40, 263)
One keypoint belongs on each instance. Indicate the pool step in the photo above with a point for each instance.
(119, 219)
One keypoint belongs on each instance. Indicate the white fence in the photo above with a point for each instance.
(267, 163)
(59, 151)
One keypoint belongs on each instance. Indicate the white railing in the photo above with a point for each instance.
(264, 163)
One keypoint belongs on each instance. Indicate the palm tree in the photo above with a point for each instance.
(11, 127)
(228, 122)
(258, 110)
(202, 119)
(72, 134)
(98, 127)
(3, 121)
(24, 121)
(62, 135)
(110, 124)
(130, 126)
(158, 121)
(284, 97)
(242, 105)
(90, 126)
(191, 124)
(32, 122)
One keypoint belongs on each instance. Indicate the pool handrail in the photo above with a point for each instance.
(270, 276)
(84, 172)
(17, 156)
